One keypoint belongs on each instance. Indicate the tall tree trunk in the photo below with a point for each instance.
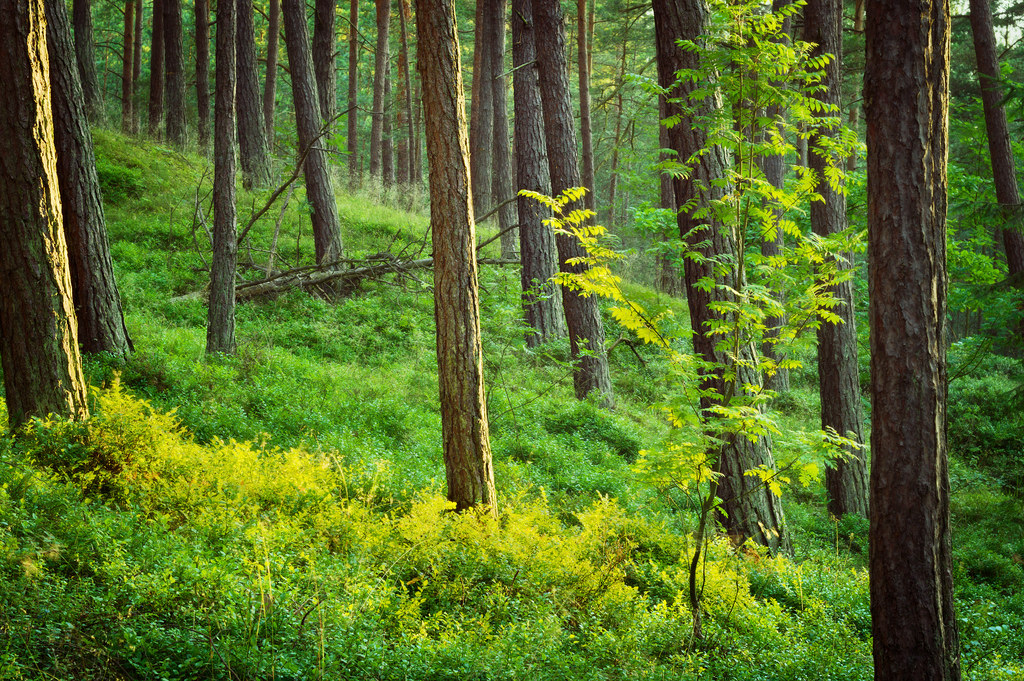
(614, 175)
(174, 63)
(846, 480)
(85, 55)
(853, 118)
(582, 315)
(319, 190)
(1003, 171)
(417, 128)
(467, 449)
(220, 325)
(253, 150)
(325, 61)
(751, 510)
(127, 86)
(137, 68)
(501, 172)
(156, 70)
(270, 84)
(387, 139)
(404, 173)
(380, 70)
(542, 301)
(906, 88)
(352, 141)
(586, 127)
(38, 335)
(94, 292)
(481, 111)
(668, 274)
(202, 9)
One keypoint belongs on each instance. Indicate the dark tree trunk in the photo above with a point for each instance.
(405, 172)
(324, 61)
(582, 315)
(417, 128)
(319, 190)
(352, 141)
(84, 53)
(853, 118)
(38, 335)
(174, 63)
(94, 292)
(127, 86)
(156, 70)
(220, 321)
(270, 85)
(202, 9)
(137, 68)
(481, 112)
(751, 510)
(614, 175)
(253, 151)
(906, 87)
(846, 480)
(586, 128)
(1003, 171)
(542, 301)
(467, 449)
(380, 70)
(501, 172)
(387, 142)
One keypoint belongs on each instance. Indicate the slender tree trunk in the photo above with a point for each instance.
(417, 128)
(84, 52)
(1003, 171)
(586, 127)
(325, 61)
(380, 70)
(614, 179)
(846, 480)
(668, 274)
(542, 301)
(751, 510)
(582, 315)
(481, 112)
(319, 190)
(137, 68)
(404, 172)
(220, 325)
(467, 449)
(387, 140)
(501, 172)
(127, 86)
(253, 150)
(270, 84)
(42, 369)
(352, 141)
(906, 87)
(156, 70)
(853, 117)
(174, 63)
(94, 292)
(202, 9)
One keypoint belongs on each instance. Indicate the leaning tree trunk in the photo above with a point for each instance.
(467, 449)
(174, 63)
(380, 70)
(319, 190)
(253, 150)
(501, 171)
(156, 70)
(906, 87)
(202, 9)
(481, 111)
(542, 302)
(38, 335)
(582, 315)
(270, 84)
(94, 292)
(751, 510)
(84, 54)
(846, 479)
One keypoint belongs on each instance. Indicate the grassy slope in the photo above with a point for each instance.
(287, 520)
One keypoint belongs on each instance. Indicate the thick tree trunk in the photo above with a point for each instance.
(467, 449)
(542, 301)
(582, 315)
(127, 86)
(846, 480)
(156, 70)
(85, 55)
(202, 9)
(481, 112)
(253, 150)
(94, 292)
(1003, 171)
(502, 170)
(352, 138)
(220, 321)
(325, 61)
(906, 87)
(751, 510)
(380, 71)
(38, 335)
(174, 63)
(270, 84)
(319, 190)
(586, 127)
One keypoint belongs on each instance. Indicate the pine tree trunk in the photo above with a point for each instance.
(853, 118)
(137, 68)
(380, 69)
(404, 173)
(501, 171)
(253, 150)
(481, 112)
(270, 84)
(85, 55)
(156, 70)
(319, 190)
(202, 9)
(94, 292)
(42, 369)
(669, 280)
(352, 141)
(220, 325)
(325, 61)
(127, 86)
(174, 63)
(467, 449)
(586, 127)
(387, 138)
(582, 315)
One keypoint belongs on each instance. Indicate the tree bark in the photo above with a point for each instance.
(669, 278)
(174, 63)
(853, 118)
(137, 68)
(387, 139)
(501, 171)
(319, 190)
(542, 301)
(85, 55)
(906, 86)
(325, 61)
(751, 510)
(253, 150)
(220, 321)
(582, 315)
(202, 10)
(846, 480)
(352, 141)
(404, 173)
(156, 70)
(1003, 171)
(97, 303)
(467, 449)
(481, 112)
(586, 127)
(270, 84)
(127, 86)
(380, 69)
(42, 369)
